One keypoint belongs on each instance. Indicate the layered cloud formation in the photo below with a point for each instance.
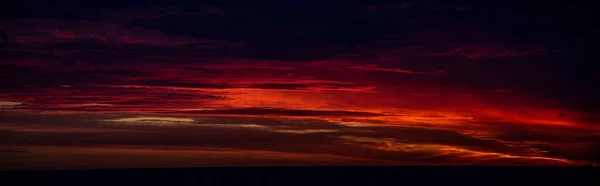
(389, 83)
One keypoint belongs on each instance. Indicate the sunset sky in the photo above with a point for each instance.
(239, 83)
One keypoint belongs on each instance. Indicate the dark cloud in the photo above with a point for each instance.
(177, 83)
(3, 36)
(283, 112)
(12, 151)
(40, 77)
(280, 86)
(398, 70)
(309, 86)
(212, 11)
(474, 52)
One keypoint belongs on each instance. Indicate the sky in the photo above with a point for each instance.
(134, 84)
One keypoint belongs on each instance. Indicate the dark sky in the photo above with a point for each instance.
(297, 82)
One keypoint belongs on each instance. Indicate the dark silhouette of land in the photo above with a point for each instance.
(393, 175)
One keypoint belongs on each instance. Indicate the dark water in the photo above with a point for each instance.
(404, 175)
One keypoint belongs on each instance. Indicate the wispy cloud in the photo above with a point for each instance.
(499, 91)
(10, 104)
(269, 128)
(390, 144)
(85, 105)
(180, 121)
(372, 67)
(58, 129)
(160, 121)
